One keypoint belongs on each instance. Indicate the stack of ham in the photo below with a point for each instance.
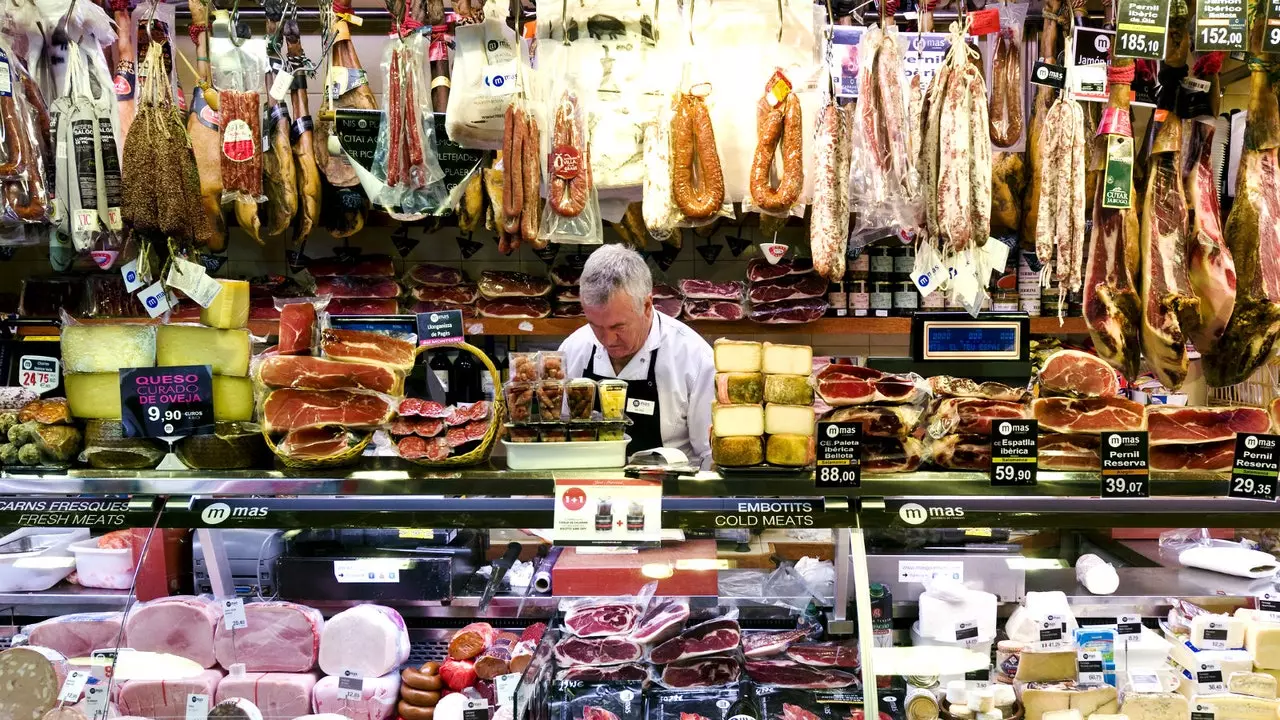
(1079, 401)
(961, 417)
(370, 640)
(709, 300)
(365, 285)
(566, 301)
(788, 292)
(433, 288)
(667, 299)
(1200, 438)
(505, 294)
(889, 408)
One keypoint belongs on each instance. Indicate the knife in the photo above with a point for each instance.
(500, 568)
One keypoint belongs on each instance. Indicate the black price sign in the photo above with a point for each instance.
(1141, 28)
(359, 132)
(1013, 452)
(839, 455)
(476, 710)
(1253, 473)
(1220, 25)
(456, 161)
(440, 328)
(1125, 471)
(167, 401)
(1053, 76)
(1271, 33)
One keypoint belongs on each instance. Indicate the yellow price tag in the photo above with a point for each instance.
(416, 534)
(978, 532)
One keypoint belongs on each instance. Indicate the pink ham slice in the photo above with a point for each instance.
(377, 700)
(971, 416)
(312, 373)
(880, 421)
(1206, 457)
(460, 294)
(1088, 415)
(766, 644)
(317, 443)
(428, 275)
(297, 328)
(1174, 425)
(77, 635)
(786, 673)
(367, 347)
(289, 409)
(1069, 452)
(731, 310)
(1080, 374)
(505, 284)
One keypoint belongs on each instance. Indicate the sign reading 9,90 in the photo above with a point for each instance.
(167, 402)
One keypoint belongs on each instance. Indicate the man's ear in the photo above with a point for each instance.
(648, 306)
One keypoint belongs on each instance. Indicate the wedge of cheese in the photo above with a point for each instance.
(1217, 632)
(107, 348)
(1041, 698)
(787, 359)
(232, 399)
(230, 308)
(1155, 706)
(1258, 685)
(93, 396)
(738, 355)
(227, 351)
(1046, 666)
(1263, 640)
(788, 419)
(1239, 707)
(736, 420)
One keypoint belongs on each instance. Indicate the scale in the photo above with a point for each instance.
(994, 346)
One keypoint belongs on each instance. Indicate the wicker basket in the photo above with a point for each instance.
(497, 413)
(345, 458)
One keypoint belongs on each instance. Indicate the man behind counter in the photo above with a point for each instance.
(669, 368)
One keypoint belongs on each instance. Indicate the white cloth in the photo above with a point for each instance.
(686, 374)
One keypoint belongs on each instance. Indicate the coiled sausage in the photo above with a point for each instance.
(697, 182)
(571, 181)
(774, 124)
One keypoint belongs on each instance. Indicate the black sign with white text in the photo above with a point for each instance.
(1125, 472)
(1054, 76)
(839, 455)
(440, 327)
(167, 401)
(1254, 470)
(1013, 452)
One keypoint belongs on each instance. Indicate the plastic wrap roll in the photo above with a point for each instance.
(542, 578)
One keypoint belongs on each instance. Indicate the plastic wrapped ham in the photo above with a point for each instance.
(370, 639)
(77, 635)
(181, 625)
(505, 284)
(377, 701)
(30, 678)
(278, 696)
(281, 637)
(165, 698)
(702, 309)
(694, 289)
(885, 455)
(514, 307)
(893, 421)
(840, 385)
(789, 312)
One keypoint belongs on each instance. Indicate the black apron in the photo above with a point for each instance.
(643, 406)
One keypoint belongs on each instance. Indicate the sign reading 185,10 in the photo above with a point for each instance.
(1141, 28)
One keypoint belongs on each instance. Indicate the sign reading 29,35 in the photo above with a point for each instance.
(167, 402)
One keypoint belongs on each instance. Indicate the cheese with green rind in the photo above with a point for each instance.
(93, 396)
(737, 355)
(1046, 666)
(788, 419)
(107, 348)
(232, 399)
(230, 308)
(790, 450)
(787, 359)
(731, 420)
(227, 351)
(788, 389)
(737, 450)
(736, 388)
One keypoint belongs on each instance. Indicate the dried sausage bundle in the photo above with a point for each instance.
(1062, 175)
(697, 177)
(25, 155)
(829, 224)
(405, 159)
(522, 180)
(572, 214)
(778, 123)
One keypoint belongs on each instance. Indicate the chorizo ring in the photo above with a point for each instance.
(513, 130)
(420, 680)
(774, 124)
(568, 195)
(13, 130)
(419, 698)
(532, 185)
(413, 712)
(697, 182)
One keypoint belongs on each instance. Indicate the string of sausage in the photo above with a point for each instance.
(513, 130)
(568, 196)
(532, 172)
(774, 124)
(697, 181)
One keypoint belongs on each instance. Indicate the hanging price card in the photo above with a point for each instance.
(1254, 469)
(1220, 25)
(1141, 27)
(839, 454)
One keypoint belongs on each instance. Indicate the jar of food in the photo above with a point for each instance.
(1004, 300)
(613, 399)
(905, 298)
(859, 299)
(904, 261)
(519, 397)
(524, 367)
(859, 268)
(551, 365)
(881, 298)
(611, 431)
(1050, 302)
(837, 301)
(550, 400)
(522, 434)
(582, 398)
(881, 263)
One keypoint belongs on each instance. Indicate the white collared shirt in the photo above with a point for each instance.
(685, 373)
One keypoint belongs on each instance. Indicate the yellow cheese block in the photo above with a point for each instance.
(1038, 699)
(1046, 666)
(737, 355)
(226, 350)
(107, 348)
(93, 396)
(1263, 640)
(230, 309)
(232, 399)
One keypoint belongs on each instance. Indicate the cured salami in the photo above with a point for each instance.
(697, 182)
(829, 223)
(777, 124)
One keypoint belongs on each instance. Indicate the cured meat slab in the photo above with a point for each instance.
(362, 306)
(513, 307)
(367, 347)
(1207, 457)
(701, 672)
(377, 700)
(958, 387)
(365, 266)
(789, 312)
(662, 620)
(631, 672)
(460, 294)
(842, 385)
(1212, 271)
(505, 284)
(766, 644)
(303, 372)
(1088, 415)
(694, 289)
(277, 695)
(787, 673)
(788, 287)
(708, 638)
(971, 416)
(282, 637)
(825, 654)
(428, 275)
(288, 409)
(759, 269)
(472, 640)
(319, 443)
(357, 287)
(297, 328)
(1079, 374)
(962, 452)
(597, 651)
(670, 307)
(1069, 452)
(165, 698)
(600, 618)
(1180, 425)
(880, 421)
(713, 310)
(885, 455)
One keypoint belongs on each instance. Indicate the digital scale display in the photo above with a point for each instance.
(972, 341)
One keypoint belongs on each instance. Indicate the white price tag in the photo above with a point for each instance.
(1145, 680)
(1269, 606)
(1215, 636)
(505, 688)
(928, 273)
(233, 617)
(1207, 675)
(73, 686)
(995, 254)
(368, 570)
(95, 701)
(1127, 625)
(132, 281)
(477, 709)
(1202, 711)
(1052, 630)
(1089, 667)
(280, 88)
(350, 685)
(500, 79)
(39, 373)
(197, 707)
(155, 299)
(192, 279)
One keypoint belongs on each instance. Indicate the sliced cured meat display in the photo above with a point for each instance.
(460, 294)
(1079, 374)
(663, 291)
(297, 328)
(417, 407)
(281, 637)
(708, 638)
(841, 385)
(303, 372)
(701, 672)
(958, 387)
(357, 287)
(789, 312)
(1069, 452)
(961, 452)
(788, 673)
(759, 269)
(318, 443)
(631, 672)
(596, 618)
(1180, 425)
(597, 651)
(714, 310)
(661, 621)
(790, 287)
(362, 306)
(180, 625)
(424, 306)
(768, 644)
(897, 421)
(971, 416)
(504, 284)
(1088, 415)
(513, 308)
(417, 448)
(428, 275)
(671, 307)
(591, 712)
(1207, 457)
(825, 654)
(885, 455)
(365, 266)
(367, 347)
(289, 409)
(710, 290)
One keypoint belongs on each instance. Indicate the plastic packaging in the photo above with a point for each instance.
(474, 115)
(49, 546)
(524, 367)
(572, 213)
(613, 399)
(25, 156)
(379, 630)
(551, 365)
(519, 397)
(697, 180)
(582, 399)
(1004, 74)
(238, 77)
(1097, 575)
(572, 700)
(181, 625)
(103, 567)
(550, 400)
(410, 179)
(281, 637)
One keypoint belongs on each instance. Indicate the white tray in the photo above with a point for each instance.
(567, 455)
(41, 569)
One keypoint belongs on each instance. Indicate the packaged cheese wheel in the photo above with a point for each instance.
(30, 678)
(230, 308)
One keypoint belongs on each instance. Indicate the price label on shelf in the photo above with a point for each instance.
(1202, 711)
(1089, 667)
(1127, 625)
(1269, 606)
(197, 707)
(1013, 452)
(1145, 680)
(350, 685)
(38, 373)
(967, 633)
(1215, 635)
(1255, 466)
(477, 709)
(839, 455)
(167, 402)
(505, 689)
(1208, 676)
(233, 617)
(1124, 465)
(73, 686)
(1220, 25)
(1141, 28)
(95, 702)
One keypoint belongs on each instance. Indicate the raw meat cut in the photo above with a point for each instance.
(825, 654)
(356, 287)
(377, 699)
(590, 712)
(1088, 415)
(289, 409)
(317, 443)
(958, 387)
(630, 672)
(165, 698)
(693, 289)
(1208, 457)
(530, 308)
(670, 307)
(370, 639)
(31, 678)
(701, 672)
(795, 712)
(75, 636)
(297, 328)
(367, 347)
(790, 287)
(458, 675)
(766, 644)
(303, 372)
(1069, 452)
(278, 696)
(281, 637)
(1168, 307)
(363, 266)
(661, 621)
(472, 640)
(1181, 425)
(460, 294)
(841, 385)
(787, 673)
(428, 275)
(789, 312)
(181, 625)
(708, 638)
(971, 416)
(663, 291)
(1079, 374)
(496, 284)
(880, 421)
(422, 306)
(759, 269)
(362, 306)
(713, 310)
(885, 455)
(1211, 270)
(566, 275)
(496, 659)
(597, 651)
(961, 452)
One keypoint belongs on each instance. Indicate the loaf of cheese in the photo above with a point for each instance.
(232, 399)
(787, 359)
(1258, 685)
(737, 451)
(1263, 640)
(1046, 666)
(226, 350)
(790, 450)
(788, 389)
(788, 419)
(107, 348)
(1188, 657)
(737, 355)
(230, 308)
(731, 420)
(1240, 707)
(1041, 698)
(1155, 706)
(1217, 632)
(93, 396)
(733, 388)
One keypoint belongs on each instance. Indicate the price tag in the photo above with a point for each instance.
(350, 685)
(1208, 677)
(1013, 452)
(95, 702)
(1124, 465)
(155, 299)
(1052, 635)
(440, 328)
(477, 709)
(967, 633)
(233, 617)
(1253, 473)
(1220, 25)
(1215, 636)
(1269, 607)
(197, 707)
(1271, 34)
(281, 86)
(167, 402)
(1202, 711)
(1129, 625)
(1089, 667)
(1145, 680)
(132, 281)
(1090, 53)
(1048, 75)
(839, 455)
(984, 22)
(73, 686)
(505, 688)
(1141, 28)
(38, 373)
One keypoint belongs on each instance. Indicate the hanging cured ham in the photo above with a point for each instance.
(1211, 270)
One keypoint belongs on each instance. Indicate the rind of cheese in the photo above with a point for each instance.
(737, 451)
(232, 399)
(1041, 698)
(738, 355)
(787, 359)
(1227, 629)
(790, 450)
(1155, 706)
(93, 396)
(731, 420)
(1259, 685)
(107, 348)
(739, 388)
(1240, 707)
(788, 389)
(1046, 666)
(230, 308)
(1100, 716)
(227, 351)
(788, 419)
